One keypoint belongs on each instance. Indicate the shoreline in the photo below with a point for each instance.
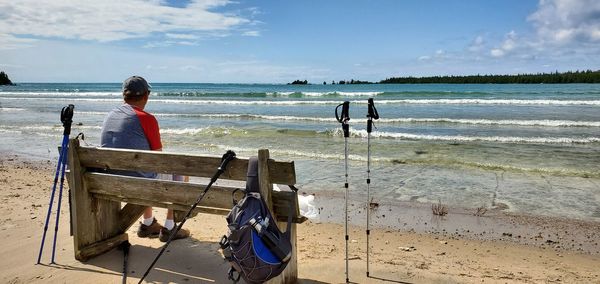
(495, 224)
(424, 253)
(556, 233)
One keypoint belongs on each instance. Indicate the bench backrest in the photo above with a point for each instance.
(96, 199)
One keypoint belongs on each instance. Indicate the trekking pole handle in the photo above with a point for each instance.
(344, 118)
(66, 117)
(227, 157)
(372, 114)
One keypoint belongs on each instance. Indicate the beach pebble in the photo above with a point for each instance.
(354, 241)
(411, 248)
(444, 242)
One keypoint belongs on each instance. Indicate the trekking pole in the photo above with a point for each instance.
(227, 157)
(125, 247)
(65, 115)
(371, 115)
(343, 119)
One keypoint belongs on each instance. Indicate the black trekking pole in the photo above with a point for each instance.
(125, 247)
(227, 157)
(66, 117)
(371, 115)
(343, 119)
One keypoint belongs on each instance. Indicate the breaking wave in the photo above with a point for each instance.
(329, 102)
(543, 122)
(461, 138)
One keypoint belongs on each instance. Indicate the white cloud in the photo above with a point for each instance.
(151, 67)
(167, 43)
(477, 44)
(497, 52)
(181, 36)
(251, 33)
(190, 68)
(110, 20)
(509, 44)
(8, 41)
(510, 41)
(565, 32)
(439, 54)
(566, 21)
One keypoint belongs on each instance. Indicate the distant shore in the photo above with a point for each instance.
(569, 77)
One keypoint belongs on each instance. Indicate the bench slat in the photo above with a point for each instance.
(280, 210)
(177, 195)
(183, 164)
(160, 190)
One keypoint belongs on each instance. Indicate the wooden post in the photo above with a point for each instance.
(128, 215)
(290, 274)
(264, 181)
(95, 222)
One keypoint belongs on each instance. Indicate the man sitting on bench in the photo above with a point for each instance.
(129, 126)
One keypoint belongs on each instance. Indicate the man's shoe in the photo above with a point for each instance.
(151, 231)
(165, 234)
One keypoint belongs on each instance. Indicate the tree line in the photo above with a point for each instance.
(584, 76)
(587, 76)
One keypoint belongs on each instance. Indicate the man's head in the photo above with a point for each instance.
(135, 89)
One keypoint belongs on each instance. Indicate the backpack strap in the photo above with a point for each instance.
(291, 212)
(252, 175)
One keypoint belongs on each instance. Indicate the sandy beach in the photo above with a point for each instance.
(411, 246)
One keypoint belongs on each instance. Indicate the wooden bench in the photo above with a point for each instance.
(100, 221)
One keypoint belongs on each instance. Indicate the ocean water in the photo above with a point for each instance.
(529, 148)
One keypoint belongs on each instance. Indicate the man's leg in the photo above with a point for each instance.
(148, 215)
(169, 223)
(149, 227)
(169, 228)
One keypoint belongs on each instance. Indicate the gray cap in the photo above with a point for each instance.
(135, 86)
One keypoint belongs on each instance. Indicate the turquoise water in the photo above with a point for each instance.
(534, 148)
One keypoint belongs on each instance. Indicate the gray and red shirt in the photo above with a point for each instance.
(130, 127)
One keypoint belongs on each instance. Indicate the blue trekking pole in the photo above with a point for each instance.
(343, 119)
(371, 115)
(66, 117)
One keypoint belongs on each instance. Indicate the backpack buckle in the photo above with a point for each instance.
(224, 242)
(231, 277)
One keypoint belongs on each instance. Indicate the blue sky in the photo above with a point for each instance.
(280, 41)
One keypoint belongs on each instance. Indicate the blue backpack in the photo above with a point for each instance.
(254, 246)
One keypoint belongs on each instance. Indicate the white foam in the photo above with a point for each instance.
(314, 155)
(545, 122)
(64, 94)
(203, 130)
(329, 102)
(332, 93)
(91, 113)
(183, 131)
(491, 102)
(11, 109)
(462, 138)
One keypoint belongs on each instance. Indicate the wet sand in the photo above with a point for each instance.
(408, 243)
(493, 224)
